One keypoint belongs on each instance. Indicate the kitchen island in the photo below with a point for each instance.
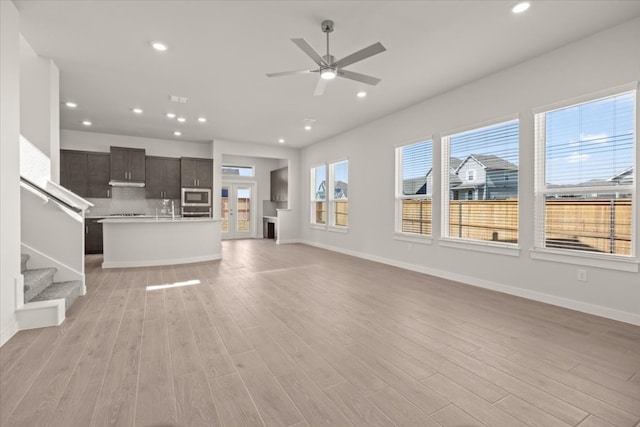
(142, 242)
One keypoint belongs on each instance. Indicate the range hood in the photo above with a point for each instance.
(116, 183)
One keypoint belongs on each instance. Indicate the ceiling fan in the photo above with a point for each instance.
(328, 68)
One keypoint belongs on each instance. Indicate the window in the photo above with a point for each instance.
(414, 188)
(319, 195)
(585, 176)
(480, 184)
(238, 170)
(339, 193)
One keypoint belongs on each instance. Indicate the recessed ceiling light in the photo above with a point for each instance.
(307, 127)
(87, 123)
(202, 119)
(71, 104)
(177, 133)
(281, 141)
(362, 94)
(520, 7)
(171, 115)
(181, 119)
(137, 110)
(159, 46)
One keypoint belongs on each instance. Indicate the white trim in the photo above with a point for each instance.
(287, 242)
(597, 310)
(611, 262)
(583, 99)
(153, 263)
(318, 226)
(8, 332)
(40, 314)
(338, 229)
(423, 239)
(509, 249)
(483, 124)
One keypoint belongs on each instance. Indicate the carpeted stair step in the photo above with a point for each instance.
(70, 291)
(23, 262)
(36, 280)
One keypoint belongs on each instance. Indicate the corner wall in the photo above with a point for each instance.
(602, 61)
(10, 276)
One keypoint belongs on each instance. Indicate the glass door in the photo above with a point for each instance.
(237, 211)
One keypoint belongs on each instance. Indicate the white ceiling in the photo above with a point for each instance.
(219, 52)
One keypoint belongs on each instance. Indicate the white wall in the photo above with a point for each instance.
(40, 104)
(10, 276)
(602, 61)
(288, 157)
(101, 142)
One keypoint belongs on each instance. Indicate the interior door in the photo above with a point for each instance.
(238, 211)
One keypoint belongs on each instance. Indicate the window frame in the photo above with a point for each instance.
(573, 256)
(314, 199)
(502, 248)
(399, 234)
(331, 200)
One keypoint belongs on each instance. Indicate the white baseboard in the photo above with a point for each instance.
(41, 314)
(154, 263)
(8, 332)
(288, 241)
(597, 310)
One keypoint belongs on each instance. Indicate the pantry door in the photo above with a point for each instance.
(238, 211)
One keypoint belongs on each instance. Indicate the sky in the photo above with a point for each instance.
(583, 142)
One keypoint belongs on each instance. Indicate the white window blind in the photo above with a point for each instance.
(415, 187)
(339, 194)
(480, 183)
(319, 195)
(585, 182)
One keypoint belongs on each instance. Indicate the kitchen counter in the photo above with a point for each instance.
(147, 241)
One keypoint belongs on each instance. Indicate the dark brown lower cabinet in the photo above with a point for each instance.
(92, 236)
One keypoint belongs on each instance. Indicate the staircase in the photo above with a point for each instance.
(39, 285)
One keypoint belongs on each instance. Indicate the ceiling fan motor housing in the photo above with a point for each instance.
(327, 26)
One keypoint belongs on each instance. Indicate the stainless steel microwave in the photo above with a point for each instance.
(196, 197)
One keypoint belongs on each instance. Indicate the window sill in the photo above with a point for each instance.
(318, 226)
(490, 247)
(338, 229)
(422, 239)
(610, 262)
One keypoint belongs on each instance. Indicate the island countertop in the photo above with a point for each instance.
(153, 219)
(142, 242)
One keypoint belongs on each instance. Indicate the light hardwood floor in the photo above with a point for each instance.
(297, 336)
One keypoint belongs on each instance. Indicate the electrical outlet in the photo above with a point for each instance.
(582, 275)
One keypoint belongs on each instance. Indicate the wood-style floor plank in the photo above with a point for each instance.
(296, 336)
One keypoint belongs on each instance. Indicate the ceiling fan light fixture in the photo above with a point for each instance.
(328, 74)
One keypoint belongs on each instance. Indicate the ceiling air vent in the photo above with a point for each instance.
(178, 99)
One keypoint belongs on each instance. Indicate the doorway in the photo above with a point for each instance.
(238, 210)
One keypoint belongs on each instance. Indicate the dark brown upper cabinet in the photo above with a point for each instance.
(85, 173)
(196, 173)
(127, 164)
(162, 178)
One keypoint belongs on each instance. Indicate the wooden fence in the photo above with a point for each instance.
(341, 213)
(598, 225)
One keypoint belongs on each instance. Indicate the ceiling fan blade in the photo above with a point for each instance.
(289, 73)
(363, 78)
(320, 87)
(365, 53)
(311, 52)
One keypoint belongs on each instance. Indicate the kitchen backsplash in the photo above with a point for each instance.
(127, 200)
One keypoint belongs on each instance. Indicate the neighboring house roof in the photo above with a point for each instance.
(489, 162)
(414, 185)
(340, 190)
(624, 177)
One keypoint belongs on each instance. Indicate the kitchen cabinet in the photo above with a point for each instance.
(85, 173)
(196, 173)
(73, 171)
(92, 236)
(280, 185)
(162, 177)
(127, 164)
(98, 173)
